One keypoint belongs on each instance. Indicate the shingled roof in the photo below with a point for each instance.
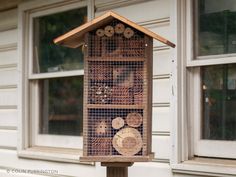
(75, 37)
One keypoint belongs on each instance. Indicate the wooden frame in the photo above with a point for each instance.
(145, 106)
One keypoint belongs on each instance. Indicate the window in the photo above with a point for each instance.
(215, 79)
(51, 105)
(57, 100)
(216, 27)
(218, 102)
(203, 89)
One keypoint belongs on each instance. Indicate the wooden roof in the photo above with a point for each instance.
(75, 37)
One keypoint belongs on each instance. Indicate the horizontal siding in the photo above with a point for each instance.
(102, 5)
(8, 139)
(161, 91)
(161, 120)
(161, 147)
(8, 77)
(8, 81)
(8, 57)
(8, 20)
(8, 118)
(8, 37)
(8, 97)
(135, 12)
(161, 62)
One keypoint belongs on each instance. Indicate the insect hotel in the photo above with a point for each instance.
(117, 88)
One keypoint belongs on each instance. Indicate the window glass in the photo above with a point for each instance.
(219, 102)
(216, 27)
(61, 105)
(49, 57)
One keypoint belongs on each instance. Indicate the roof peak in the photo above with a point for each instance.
(75, 37)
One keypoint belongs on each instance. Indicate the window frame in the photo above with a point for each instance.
(39, 139)
(184, 68)
(192, 59)
(27, 126)
(205, 148)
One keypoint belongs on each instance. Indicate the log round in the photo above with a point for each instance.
(109, 31)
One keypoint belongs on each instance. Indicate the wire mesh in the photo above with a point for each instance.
(101, 130)
(119, 45)
(116, 91)
(118, 83)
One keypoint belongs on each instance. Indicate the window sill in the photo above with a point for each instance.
(206, 167)
(53, 154)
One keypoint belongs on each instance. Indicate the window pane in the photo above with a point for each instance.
(216, 27)
(219, 102)
(49, 57)
(61, 106)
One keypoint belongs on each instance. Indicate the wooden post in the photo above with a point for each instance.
(117, 169)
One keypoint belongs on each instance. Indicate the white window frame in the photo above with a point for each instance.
(29, 138)
(38, 139)
(193, 60)
(185, 83)
(202, 147)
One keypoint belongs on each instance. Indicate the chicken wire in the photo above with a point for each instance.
(115, 77)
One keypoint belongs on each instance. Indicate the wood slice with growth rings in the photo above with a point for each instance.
(118, 123)
(134, 119)
(127, 141)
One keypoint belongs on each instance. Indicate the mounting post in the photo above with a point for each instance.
(117, 169)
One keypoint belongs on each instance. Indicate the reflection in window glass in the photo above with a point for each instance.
(61, 105)
(219, 102)
(49, 57)
(216, 27)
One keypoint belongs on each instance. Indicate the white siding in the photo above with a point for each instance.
(161, 147)
(8, 20)
(8, 118)
(8, 139)
(8, 57)
(161, 121)
(8, 80)
(8, 37)
(161, 62)
(8, 77)
(161, 90)
(8, 97)
(154, 15)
